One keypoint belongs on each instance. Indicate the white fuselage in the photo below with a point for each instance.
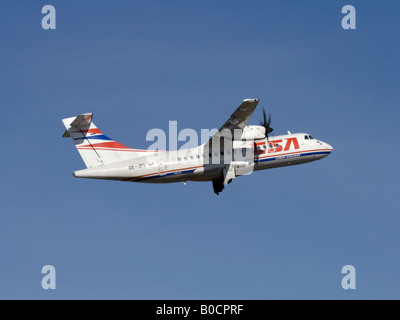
(198, 164)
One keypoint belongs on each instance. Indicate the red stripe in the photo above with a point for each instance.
(95, 130)
(116, 149)
(89, 147)
(110, 144)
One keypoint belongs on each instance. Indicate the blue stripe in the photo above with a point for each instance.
(166, 175)
(283, 157)
(99, 137)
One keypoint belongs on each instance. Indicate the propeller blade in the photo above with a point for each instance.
(266, 123)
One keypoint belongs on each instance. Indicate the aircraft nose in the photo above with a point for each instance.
(329, 147)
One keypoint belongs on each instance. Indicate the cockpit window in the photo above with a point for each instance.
(306, 137)
(311, 138)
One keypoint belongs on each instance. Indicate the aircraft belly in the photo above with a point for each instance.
(286, 160)
(200, 173)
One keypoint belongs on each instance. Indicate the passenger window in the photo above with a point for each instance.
(185, 158)
(191, 157)
(179, 159)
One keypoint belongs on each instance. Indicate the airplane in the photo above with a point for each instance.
(237, 149)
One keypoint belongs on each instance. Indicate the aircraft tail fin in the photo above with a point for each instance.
(94, 147)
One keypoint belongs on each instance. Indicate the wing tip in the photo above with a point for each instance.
(251, 100)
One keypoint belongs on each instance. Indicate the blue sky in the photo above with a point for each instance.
(279, 234)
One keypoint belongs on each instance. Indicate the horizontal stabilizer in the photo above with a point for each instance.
(66, 134)
(82, 120)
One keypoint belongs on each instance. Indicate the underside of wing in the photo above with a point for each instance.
(234, 125)
(241, 116)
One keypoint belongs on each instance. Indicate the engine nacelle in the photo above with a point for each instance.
(253, 133)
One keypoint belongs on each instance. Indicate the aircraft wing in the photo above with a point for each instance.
(241, 116)
(237, 121)
(226, 135)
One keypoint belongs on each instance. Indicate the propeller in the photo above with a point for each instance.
(266, 124)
